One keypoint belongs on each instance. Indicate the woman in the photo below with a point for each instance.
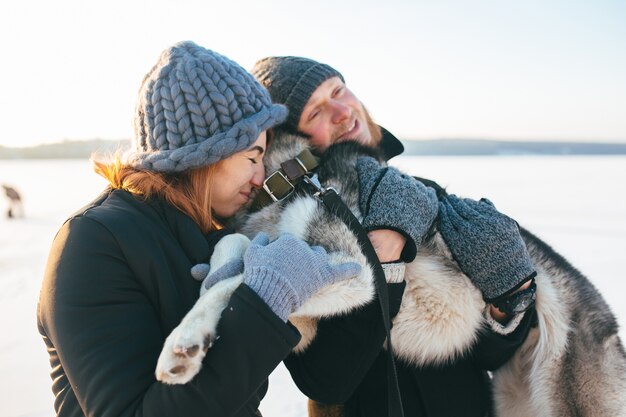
(118, 276)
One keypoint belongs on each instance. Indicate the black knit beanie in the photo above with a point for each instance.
(291, 81)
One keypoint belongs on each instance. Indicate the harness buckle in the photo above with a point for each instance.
(278, 181)
(304, 168)
(315, 183)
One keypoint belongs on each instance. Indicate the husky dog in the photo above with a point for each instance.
(572, 363)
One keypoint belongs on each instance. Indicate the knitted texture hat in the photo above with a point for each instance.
(291, 80)
(196, 107)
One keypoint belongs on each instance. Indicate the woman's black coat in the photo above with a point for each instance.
(116, 284)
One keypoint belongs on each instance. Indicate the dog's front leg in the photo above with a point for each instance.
(185, 348)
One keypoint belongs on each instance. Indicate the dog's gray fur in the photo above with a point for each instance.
(572, 364)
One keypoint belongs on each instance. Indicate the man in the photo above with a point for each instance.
(345, 363)
(322, 108)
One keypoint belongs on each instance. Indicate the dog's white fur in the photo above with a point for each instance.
(565, 367)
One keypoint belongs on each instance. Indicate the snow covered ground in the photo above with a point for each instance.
(576, 204)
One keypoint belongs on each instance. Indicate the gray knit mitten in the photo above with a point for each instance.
(486, 245)
(287, 271)
(200, 272)
(389, 199)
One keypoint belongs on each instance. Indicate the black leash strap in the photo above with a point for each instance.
(335, 204)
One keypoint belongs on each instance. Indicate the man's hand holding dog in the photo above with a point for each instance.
(394, 201)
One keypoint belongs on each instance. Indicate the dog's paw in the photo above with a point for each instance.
(185, 348)
(182, 355)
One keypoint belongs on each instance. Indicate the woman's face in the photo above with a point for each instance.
(236, 177)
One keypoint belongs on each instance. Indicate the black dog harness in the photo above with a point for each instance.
(282, 183)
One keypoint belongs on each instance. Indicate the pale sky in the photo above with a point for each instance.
(498, 69)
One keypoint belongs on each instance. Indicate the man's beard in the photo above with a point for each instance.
(375, 132)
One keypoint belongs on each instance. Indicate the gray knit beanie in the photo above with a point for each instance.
(291, 80)
(196, 107)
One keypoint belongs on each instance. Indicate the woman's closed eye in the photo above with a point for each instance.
(255, 156)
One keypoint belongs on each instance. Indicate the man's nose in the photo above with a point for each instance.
(341, 112)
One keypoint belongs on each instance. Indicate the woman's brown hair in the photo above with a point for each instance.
(188, 191)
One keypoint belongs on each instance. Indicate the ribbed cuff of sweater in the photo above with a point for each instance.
(275, 290)
(394, 272)
(503, 329)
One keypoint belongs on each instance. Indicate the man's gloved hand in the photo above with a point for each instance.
(287, 271)
(389, 199)
(200, 272)
(486, 245)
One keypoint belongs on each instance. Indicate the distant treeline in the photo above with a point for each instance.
(82, 149)
(478, 147)
(70, 149)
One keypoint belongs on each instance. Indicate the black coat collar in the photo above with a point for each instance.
(390, 145)
(197, 246)
(194, 243)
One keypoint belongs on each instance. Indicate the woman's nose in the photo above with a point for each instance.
(258, 177)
